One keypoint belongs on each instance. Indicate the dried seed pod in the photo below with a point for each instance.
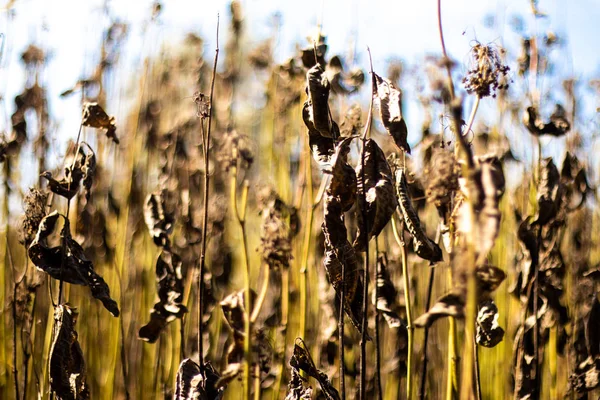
(194, 383)
(94, 116)
(489, 333)
(301, 360)
(67, 366)
(385, 302)
(390, 108)
(423, 246)
(159, 222)
(487, 73)
(76, 269)
(170, 294)
(377, 193)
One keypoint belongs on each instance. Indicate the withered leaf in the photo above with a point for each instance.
(489, 333)
(492, 188)
(423, 246)
(159, 222)
(170, 294)
(195, 384)
(339, 254)
(449, 305)
(77, 269)
(88, 169)
(385, 302)
(557, 126)
(234, 309)
(82, 168)
(586, 376)
(322, 147)
(376, 196)
(318, 100)
(94, 116)
(301, 360)
(576, 187)
(548, 196)
(390, 107)
(67, 366)
(298, 388)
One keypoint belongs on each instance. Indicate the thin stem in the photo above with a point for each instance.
(306, 244)
(410, 328)
(472, 116)
(206, 153)
(426, 338)
(14, 315)
(341, 335)
(262, 295)
(377, 320)
(365, 227)
(477, 377)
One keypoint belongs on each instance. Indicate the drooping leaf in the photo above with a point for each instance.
(76, 269)
(558, 125)
(68, 186)
(194, 384)
(318, 100)
(170, 296)
(385, 302)
(94, 116)
(301, 360)
(159, 222)
(322, 147)
(298, 388)
(67, 366)
(340, 256)
(574, 181)
(449, 305)
(390, 107)
(376, 196)
(549, 195)
(489, 333)
(423, 246)
(88, 169)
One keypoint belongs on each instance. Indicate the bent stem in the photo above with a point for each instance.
(410, 328)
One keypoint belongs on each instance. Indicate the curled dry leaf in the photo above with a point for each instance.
(376, 198)
(322, 147)
(298, 388)
(489, 333)
(301, 360)
(170, 294)
(390, 108)
(277, 229)
(76, 269)
(557, 126)
(339, 254)
(94, 116)
(83, 168)
(67, 366)
(549, 192)
(423, 246)
(318, 100)
(491, 178)
(449, 305)
(159, 222)
(574, 181)
(193, 383)
(385, 302)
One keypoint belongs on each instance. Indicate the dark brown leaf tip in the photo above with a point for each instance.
(390, 108)
(67, 366)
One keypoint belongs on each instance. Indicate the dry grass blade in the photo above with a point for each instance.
(67, 366)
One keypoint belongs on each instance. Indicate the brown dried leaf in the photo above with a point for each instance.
(68, 186)
(377, 198)
(298, 388)
(390, 107)
(449, 305)
(492, 188)
(170, 294)
(159, 222)
(385, 302)
(489, 333)
(322, 147)
(67, 366)
(94, 116)
(77, 269)
(423, 246)
(557, 126)
(194, 384)
(318, 100)
(301, 360)
(549, 193)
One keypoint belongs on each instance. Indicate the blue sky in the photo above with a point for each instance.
(71, 30)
